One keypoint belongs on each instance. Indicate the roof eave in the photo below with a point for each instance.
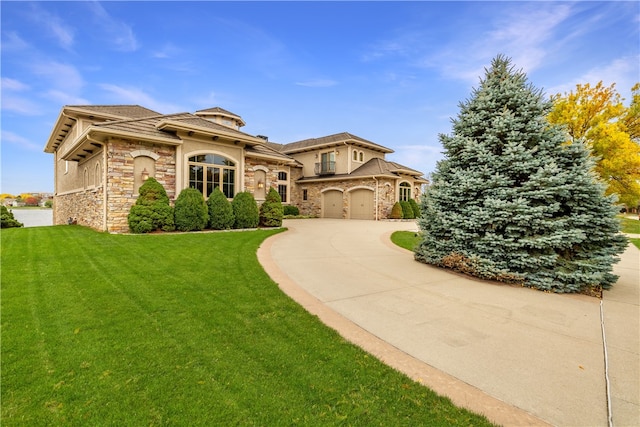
(174, 125)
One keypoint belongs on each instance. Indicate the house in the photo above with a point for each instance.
(103, 154)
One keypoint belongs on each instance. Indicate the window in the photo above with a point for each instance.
(355, 155)
(405, 191)
(98, 177)
(305, 194)
(283, 186)
(358, 156)
(361, 156)
(208, 171)
(327, 163)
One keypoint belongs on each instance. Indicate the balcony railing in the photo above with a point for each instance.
(325, 168)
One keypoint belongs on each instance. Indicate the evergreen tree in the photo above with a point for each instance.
(271, 211)
(152, 210)
(191, 212)
(8, 220)
(511, 201)
(220, 211)
(245, 210)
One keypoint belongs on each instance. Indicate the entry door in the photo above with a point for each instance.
(361, 204)
(332, 204)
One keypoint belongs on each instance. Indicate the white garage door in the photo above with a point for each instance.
(361, 204)
(332, 204)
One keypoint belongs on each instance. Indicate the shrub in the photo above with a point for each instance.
(396, 211)
(416, 209)
(245, 211)
(271, 211)
(8, 220)
(152, 210)
(291, 210)
(220, 211)
(191, 213)
(407, 210)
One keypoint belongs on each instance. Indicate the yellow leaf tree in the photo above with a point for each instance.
(611, 130)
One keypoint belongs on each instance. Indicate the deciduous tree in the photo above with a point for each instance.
(611, 130)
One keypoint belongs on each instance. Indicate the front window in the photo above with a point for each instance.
(208, 171)
(283, 186)
(405, 191)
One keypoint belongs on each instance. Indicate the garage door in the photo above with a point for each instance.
(361, 204)
(332, 204)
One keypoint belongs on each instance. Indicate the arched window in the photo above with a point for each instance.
(361, 156)
(355, 155)
(405, 191)
(85, 178)
(98, 177)
(208, 171)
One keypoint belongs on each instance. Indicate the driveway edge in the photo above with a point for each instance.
(460, 393)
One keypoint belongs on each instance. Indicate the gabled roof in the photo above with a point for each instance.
(217, 111)
(374, 167)
(330, 141)
(123, 111)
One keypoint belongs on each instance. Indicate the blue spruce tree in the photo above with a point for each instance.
(513, 201)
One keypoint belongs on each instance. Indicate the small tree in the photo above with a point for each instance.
(152, 210)
(245, 211)
(191, 212)
(271, 211)
(415, 208)
(396, 211)
(512, 201)
(7, 218)
(220, 211)
(407, 210)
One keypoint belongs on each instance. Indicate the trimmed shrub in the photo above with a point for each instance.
(291, 210)
(416, 209)
(191, 213)
(271, 211)
(245, 211)
(396, 211)
(220, 211)
(152, 210)
(8, 220)
(407, 210)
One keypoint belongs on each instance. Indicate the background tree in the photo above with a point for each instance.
(220, 211)
(512, 201)
(611, 130)
(271, 210)
(190, 211)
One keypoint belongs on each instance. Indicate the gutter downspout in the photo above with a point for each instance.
(104, 181)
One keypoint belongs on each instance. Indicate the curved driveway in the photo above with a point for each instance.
(519, 356)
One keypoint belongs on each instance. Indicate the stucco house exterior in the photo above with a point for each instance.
(103, 153)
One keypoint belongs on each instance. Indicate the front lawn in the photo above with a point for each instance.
(629, 225)
(406, 239)
(179, 329)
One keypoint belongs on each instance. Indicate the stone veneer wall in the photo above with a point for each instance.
(83, 206)
(120, 178)
(272, 175)
(313, 205)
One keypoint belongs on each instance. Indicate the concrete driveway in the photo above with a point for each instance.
(519, 356)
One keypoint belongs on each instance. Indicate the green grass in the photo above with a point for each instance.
(629, 225)
(405, 239)
(179, 329)
(635, 242)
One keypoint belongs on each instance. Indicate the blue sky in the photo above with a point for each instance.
(390, 72)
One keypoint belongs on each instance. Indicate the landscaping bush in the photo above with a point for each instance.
(152, 210)
(191, 213)
(8, 220)
(220, 211)
(396, 211)
(291, 210)
(271, 211)
(407, 210)
(415, 208)
(245, 211)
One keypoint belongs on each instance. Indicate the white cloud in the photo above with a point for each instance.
(116, 32)
(11, 41)
(317, 83)
(129, 95)
(61, 76)
(13, 85)
(14, 139)
(624, 72)
(54, 25)
(20, 105)
(65, 98)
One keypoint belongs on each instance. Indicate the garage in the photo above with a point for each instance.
(332, 204)
(361, 204)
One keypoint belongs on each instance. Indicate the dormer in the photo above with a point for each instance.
(221, 117)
